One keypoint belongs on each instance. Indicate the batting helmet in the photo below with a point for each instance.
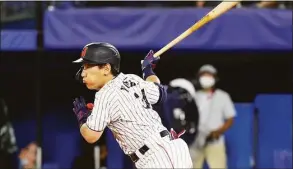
(180, 110)
(99, 53)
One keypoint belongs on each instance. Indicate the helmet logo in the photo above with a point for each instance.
(84, 52)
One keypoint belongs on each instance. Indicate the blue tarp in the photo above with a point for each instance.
(18, 40)
(145, 28)
(239, 138)
(275, 131)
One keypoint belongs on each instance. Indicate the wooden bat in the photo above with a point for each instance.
(213, 14)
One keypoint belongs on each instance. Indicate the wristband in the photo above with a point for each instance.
(81, 118)
(82, 121)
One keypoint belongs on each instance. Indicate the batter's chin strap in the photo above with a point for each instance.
(78, 74)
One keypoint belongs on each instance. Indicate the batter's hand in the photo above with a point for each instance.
(82, 110)
(149, 61)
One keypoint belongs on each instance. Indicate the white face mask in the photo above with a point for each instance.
(24, 161)
(206, 81)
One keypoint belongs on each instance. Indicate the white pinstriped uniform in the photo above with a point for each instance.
(124, 105)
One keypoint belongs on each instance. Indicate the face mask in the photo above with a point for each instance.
(206, 81)
(24, 162)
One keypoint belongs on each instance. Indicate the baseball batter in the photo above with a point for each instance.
(123, 103)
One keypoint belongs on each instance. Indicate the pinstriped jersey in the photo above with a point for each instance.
(124, 105)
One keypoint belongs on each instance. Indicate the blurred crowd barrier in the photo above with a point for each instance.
(259, 137)
(154, 27)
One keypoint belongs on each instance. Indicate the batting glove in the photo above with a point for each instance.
(175, 135)
(148, 64)
(82, 110)
(150, 60)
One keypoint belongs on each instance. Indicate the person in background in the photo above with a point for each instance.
(252, 4)
(8, 145)
(260, 4)
(209, 4)
(216, 112)
(28, 156)
(267, 4)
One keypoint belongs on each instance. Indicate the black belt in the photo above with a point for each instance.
(145, 148)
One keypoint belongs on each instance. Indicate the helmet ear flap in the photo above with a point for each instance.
(78, 74)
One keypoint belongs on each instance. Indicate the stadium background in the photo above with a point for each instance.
(38, 83)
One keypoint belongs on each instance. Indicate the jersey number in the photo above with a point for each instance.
(128, 84)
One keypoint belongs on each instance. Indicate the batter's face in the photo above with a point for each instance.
(94, 76)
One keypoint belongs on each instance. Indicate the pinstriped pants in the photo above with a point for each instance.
(165, 153)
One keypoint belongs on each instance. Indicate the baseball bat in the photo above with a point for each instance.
(213, 14)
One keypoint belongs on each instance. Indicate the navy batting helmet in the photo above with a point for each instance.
(99, 53)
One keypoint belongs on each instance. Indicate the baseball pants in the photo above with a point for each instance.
(165, 153)
(215, 155)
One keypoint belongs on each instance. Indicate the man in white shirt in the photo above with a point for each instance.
(217, 112)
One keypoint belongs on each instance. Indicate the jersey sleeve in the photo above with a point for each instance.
(229, 109)
(155, 92)
(100, 117)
